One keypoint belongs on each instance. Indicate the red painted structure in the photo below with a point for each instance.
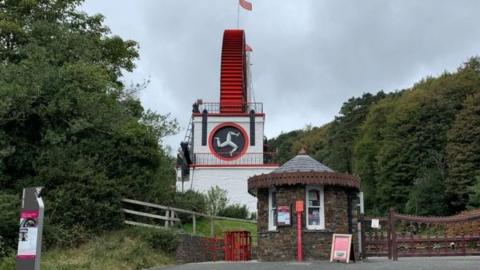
(238, 246)
(299, 210)
(233, 81)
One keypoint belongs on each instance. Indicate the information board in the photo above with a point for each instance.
(283, 216)
(341, 245)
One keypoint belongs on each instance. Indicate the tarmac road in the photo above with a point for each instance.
(436, 263)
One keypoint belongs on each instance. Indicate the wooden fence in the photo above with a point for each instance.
(170, 216)
(375, 240)
(416, 236)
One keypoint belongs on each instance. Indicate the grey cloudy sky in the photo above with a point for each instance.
(309, 55)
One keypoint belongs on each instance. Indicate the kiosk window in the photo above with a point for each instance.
(315, 210)
(272, 209)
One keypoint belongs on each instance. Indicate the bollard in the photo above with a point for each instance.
(30, 232)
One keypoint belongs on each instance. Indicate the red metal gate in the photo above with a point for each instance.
(238, 246)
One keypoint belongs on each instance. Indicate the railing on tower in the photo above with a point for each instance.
(215, 107)
(248, 159)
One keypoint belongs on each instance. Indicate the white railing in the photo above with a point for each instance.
(246, 159)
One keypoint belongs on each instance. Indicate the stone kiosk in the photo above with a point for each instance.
(330, 206)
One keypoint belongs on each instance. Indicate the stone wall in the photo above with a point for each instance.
(192, 248)
(282, 243)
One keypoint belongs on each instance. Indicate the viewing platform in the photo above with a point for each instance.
(246, 160)
(223, 108)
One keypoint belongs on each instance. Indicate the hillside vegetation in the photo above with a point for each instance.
(417, 150)
(69, 123)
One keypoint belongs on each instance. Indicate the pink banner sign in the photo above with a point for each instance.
(341, 245)
(29, 214)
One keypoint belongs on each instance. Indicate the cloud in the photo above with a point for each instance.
(309, 56)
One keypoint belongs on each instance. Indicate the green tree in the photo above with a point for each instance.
(68, 122)
(427, 196)
(463, 153)
(344, 130)
(474, 199)
(216, 200)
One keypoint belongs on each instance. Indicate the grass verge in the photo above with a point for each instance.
(120, 250)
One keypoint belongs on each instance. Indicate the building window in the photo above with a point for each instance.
(315, 209)
(272, 209)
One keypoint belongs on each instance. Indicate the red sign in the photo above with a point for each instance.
(299, 206)
(341, 244)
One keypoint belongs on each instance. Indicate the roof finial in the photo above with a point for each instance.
(302, 151)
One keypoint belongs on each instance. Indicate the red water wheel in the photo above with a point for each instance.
(233, 81)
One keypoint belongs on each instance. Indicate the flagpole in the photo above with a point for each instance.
(238, 16)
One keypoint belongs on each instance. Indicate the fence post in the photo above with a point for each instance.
(363, 251)
(389, 235)
(167, 215)
(393, 235)
(172, 216)
(194, 224)
(211, 227)
(464, 243)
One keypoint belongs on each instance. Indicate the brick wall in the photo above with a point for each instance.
(282, 243)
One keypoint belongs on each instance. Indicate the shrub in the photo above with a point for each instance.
(235, 211)
(165, 240)
(7, 263)
(55, 236)
(9, 215)
(190, 200)
(92, 203)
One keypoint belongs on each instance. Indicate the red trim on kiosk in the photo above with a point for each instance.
(226, 124)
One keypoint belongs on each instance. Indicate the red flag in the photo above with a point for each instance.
(248, 48)
(245, 4)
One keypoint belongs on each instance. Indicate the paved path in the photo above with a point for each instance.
(439, 263)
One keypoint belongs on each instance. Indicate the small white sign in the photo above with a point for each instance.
(27, 244)
(375, 223)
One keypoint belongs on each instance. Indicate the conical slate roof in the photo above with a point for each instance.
(302, 163)
(303, 170)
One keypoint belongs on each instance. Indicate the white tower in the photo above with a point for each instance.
(224, 145)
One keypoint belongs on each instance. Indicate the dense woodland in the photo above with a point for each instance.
(417, 150)
(70, 124)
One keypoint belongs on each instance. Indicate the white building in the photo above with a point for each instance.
(224, 145)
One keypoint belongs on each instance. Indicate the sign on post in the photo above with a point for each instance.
(341, 247)
(30, 232)
(375, 223)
